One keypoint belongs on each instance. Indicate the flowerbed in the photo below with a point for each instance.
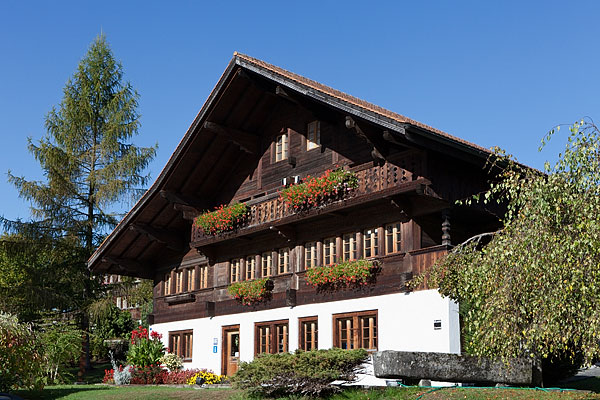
(342, 274)
(156, 375)
(206, 377)
(223, 219)
(249, 292)
(314, 191)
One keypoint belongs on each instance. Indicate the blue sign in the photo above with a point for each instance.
(214, 349)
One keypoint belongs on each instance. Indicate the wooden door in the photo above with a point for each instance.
(231, 350)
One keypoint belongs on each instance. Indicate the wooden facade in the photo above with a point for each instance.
(261, 125)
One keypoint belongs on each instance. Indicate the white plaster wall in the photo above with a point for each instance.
(405, 323)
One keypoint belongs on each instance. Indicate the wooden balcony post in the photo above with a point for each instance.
(446, 240)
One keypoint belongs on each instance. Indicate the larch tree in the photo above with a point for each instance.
(86, 155)
(90, 165)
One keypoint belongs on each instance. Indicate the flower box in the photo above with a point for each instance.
(223, 219)
(356, 272)
(332, 185)
(250, 292)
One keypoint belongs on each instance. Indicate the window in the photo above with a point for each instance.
(250, 267)
(284, 260)
(203, 274)
(309, 333)
(191, 279)
(310, 255)
(392, 238)
(179, 281)
(267, 264)
(355, 330)
(234, 270)
(180, 343)
(370, 243)
(271, 337)
(329, 251)
(349, 247)
(313, 135)
(281, 147)
(167, 284)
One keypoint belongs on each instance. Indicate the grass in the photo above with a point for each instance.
(84, 392)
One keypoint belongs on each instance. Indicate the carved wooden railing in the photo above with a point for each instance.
(371, 180)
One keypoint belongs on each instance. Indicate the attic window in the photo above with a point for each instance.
(281, 147)
(313, 135)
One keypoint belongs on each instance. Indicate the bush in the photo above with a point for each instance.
(21, 356)
(172, 361)
(150, 374)
(145, 350)
(62, 345)
(112, 324)
(307, 373)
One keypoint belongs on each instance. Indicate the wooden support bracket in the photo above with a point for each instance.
(168, 238)
(246, 141)
(376, 153)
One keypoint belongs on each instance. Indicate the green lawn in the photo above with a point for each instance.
(80, 392)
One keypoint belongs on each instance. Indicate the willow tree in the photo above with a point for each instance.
(86, 155)
(532, 288)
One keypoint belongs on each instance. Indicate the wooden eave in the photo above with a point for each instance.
(134, 246)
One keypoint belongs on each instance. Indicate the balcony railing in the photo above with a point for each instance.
(373, 182)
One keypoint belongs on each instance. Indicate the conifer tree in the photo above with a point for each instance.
(86, 155)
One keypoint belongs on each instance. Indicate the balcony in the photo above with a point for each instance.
(271, 212)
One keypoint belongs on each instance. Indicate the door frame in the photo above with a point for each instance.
(224, 353)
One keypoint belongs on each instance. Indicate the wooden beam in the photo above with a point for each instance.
(378, 154)
(183, 199)
(129, 266)
(246, 141)
(287, 232)
(189, 213)
(166, 237)
(279, 91)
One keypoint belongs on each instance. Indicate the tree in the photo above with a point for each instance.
(85, 155)
(88, 162)
(532, 288)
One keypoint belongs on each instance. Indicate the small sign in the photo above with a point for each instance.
(215, 349)
(437, 324)
(215, 341)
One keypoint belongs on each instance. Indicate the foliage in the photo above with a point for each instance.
(113, 324)
(172, 361)
(314, 191)
(223, 219)
(534, 288)
(249, 292)
(120, 375)
(62, 345)
(356, 272)
(205, 377)
(145, 349)
(149, 374)
(303, 372)
(21, 356)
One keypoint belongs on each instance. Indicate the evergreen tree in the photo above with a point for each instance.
(85, 155)
(89, 165)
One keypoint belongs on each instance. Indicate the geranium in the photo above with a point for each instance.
(223, 219)
(249, 292)
(357, 272)
(314, 191)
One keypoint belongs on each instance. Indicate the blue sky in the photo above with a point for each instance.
(494, 73)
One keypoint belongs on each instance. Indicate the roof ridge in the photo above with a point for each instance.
(352, 99)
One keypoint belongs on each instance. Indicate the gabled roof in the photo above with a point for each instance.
(295, 83)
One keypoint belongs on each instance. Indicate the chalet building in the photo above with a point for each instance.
(261, 130)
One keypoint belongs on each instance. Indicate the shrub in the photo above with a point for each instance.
(62, 345)
(180, 377)
(307, 373)
(223, 219)
(172, 361)
(314, 191)
(356, 272)
(121, 375)
(145, 350)
(150, 374)
(21, 356)
(205, 377)
(111, 324)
